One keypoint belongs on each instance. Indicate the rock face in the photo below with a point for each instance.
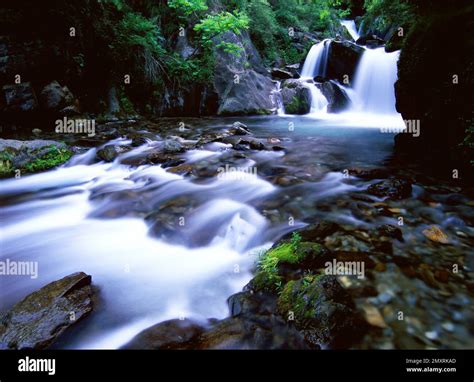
(19, 97)
(240, 81)
(55, 97)
(443, 105)
(41, 317)
(296, 97)
(337, 97)
(343, 58)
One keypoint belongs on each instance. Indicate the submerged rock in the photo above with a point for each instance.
(41, 317)
(434, 233)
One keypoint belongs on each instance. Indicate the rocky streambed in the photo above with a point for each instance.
(272, 205)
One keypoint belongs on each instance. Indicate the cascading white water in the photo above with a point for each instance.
(374, 82)
(351, 28)
(315, 65)
(90, 218)
(316, 60)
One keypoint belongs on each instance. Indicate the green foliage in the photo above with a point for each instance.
(292, 252)
(214, 25)
(6, 167)
(187, 7)
(381, 14)
(54, 157)
(300, 297)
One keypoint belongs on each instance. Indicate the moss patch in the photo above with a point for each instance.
(300, 297)
(54, 157)
(41, 159)
(293, 253)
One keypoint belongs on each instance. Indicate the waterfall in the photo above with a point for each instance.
(316, 60)
(318, 100)
(315, 65)
(374, 82)
(276, 96)
(351, 28)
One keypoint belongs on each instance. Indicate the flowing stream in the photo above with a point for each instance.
(115, 221)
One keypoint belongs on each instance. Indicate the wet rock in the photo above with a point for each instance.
(249, 332)
(247, 303)
(255, 332)
(140, 138)
(41, 317)
(322, 310)
(26, 155)
(281, 74)
(318, 232)
(373, 316)
(392, 188)
(296, 97)
(238, 128)
(364, 173)
(434, 233)
(182, 169)
(172, 147)
(371, 41)
(390, 230)
(336, 96)
(293, 69)
(343, 58)
(110, 152)
(172, 334)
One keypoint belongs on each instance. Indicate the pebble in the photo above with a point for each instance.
(448, 326)
(433, 335)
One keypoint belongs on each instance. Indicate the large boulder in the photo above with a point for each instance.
(240, 80)
(249, 332)
(55, 97)
(296, 97)
(19, 97)
(342, 60)
(322, 310)
(41, 317)
(336, 96)
(171, 334)
(31, 156)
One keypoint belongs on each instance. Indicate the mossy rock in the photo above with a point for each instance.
(288, 260)
(31, 156)
(322, 310)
